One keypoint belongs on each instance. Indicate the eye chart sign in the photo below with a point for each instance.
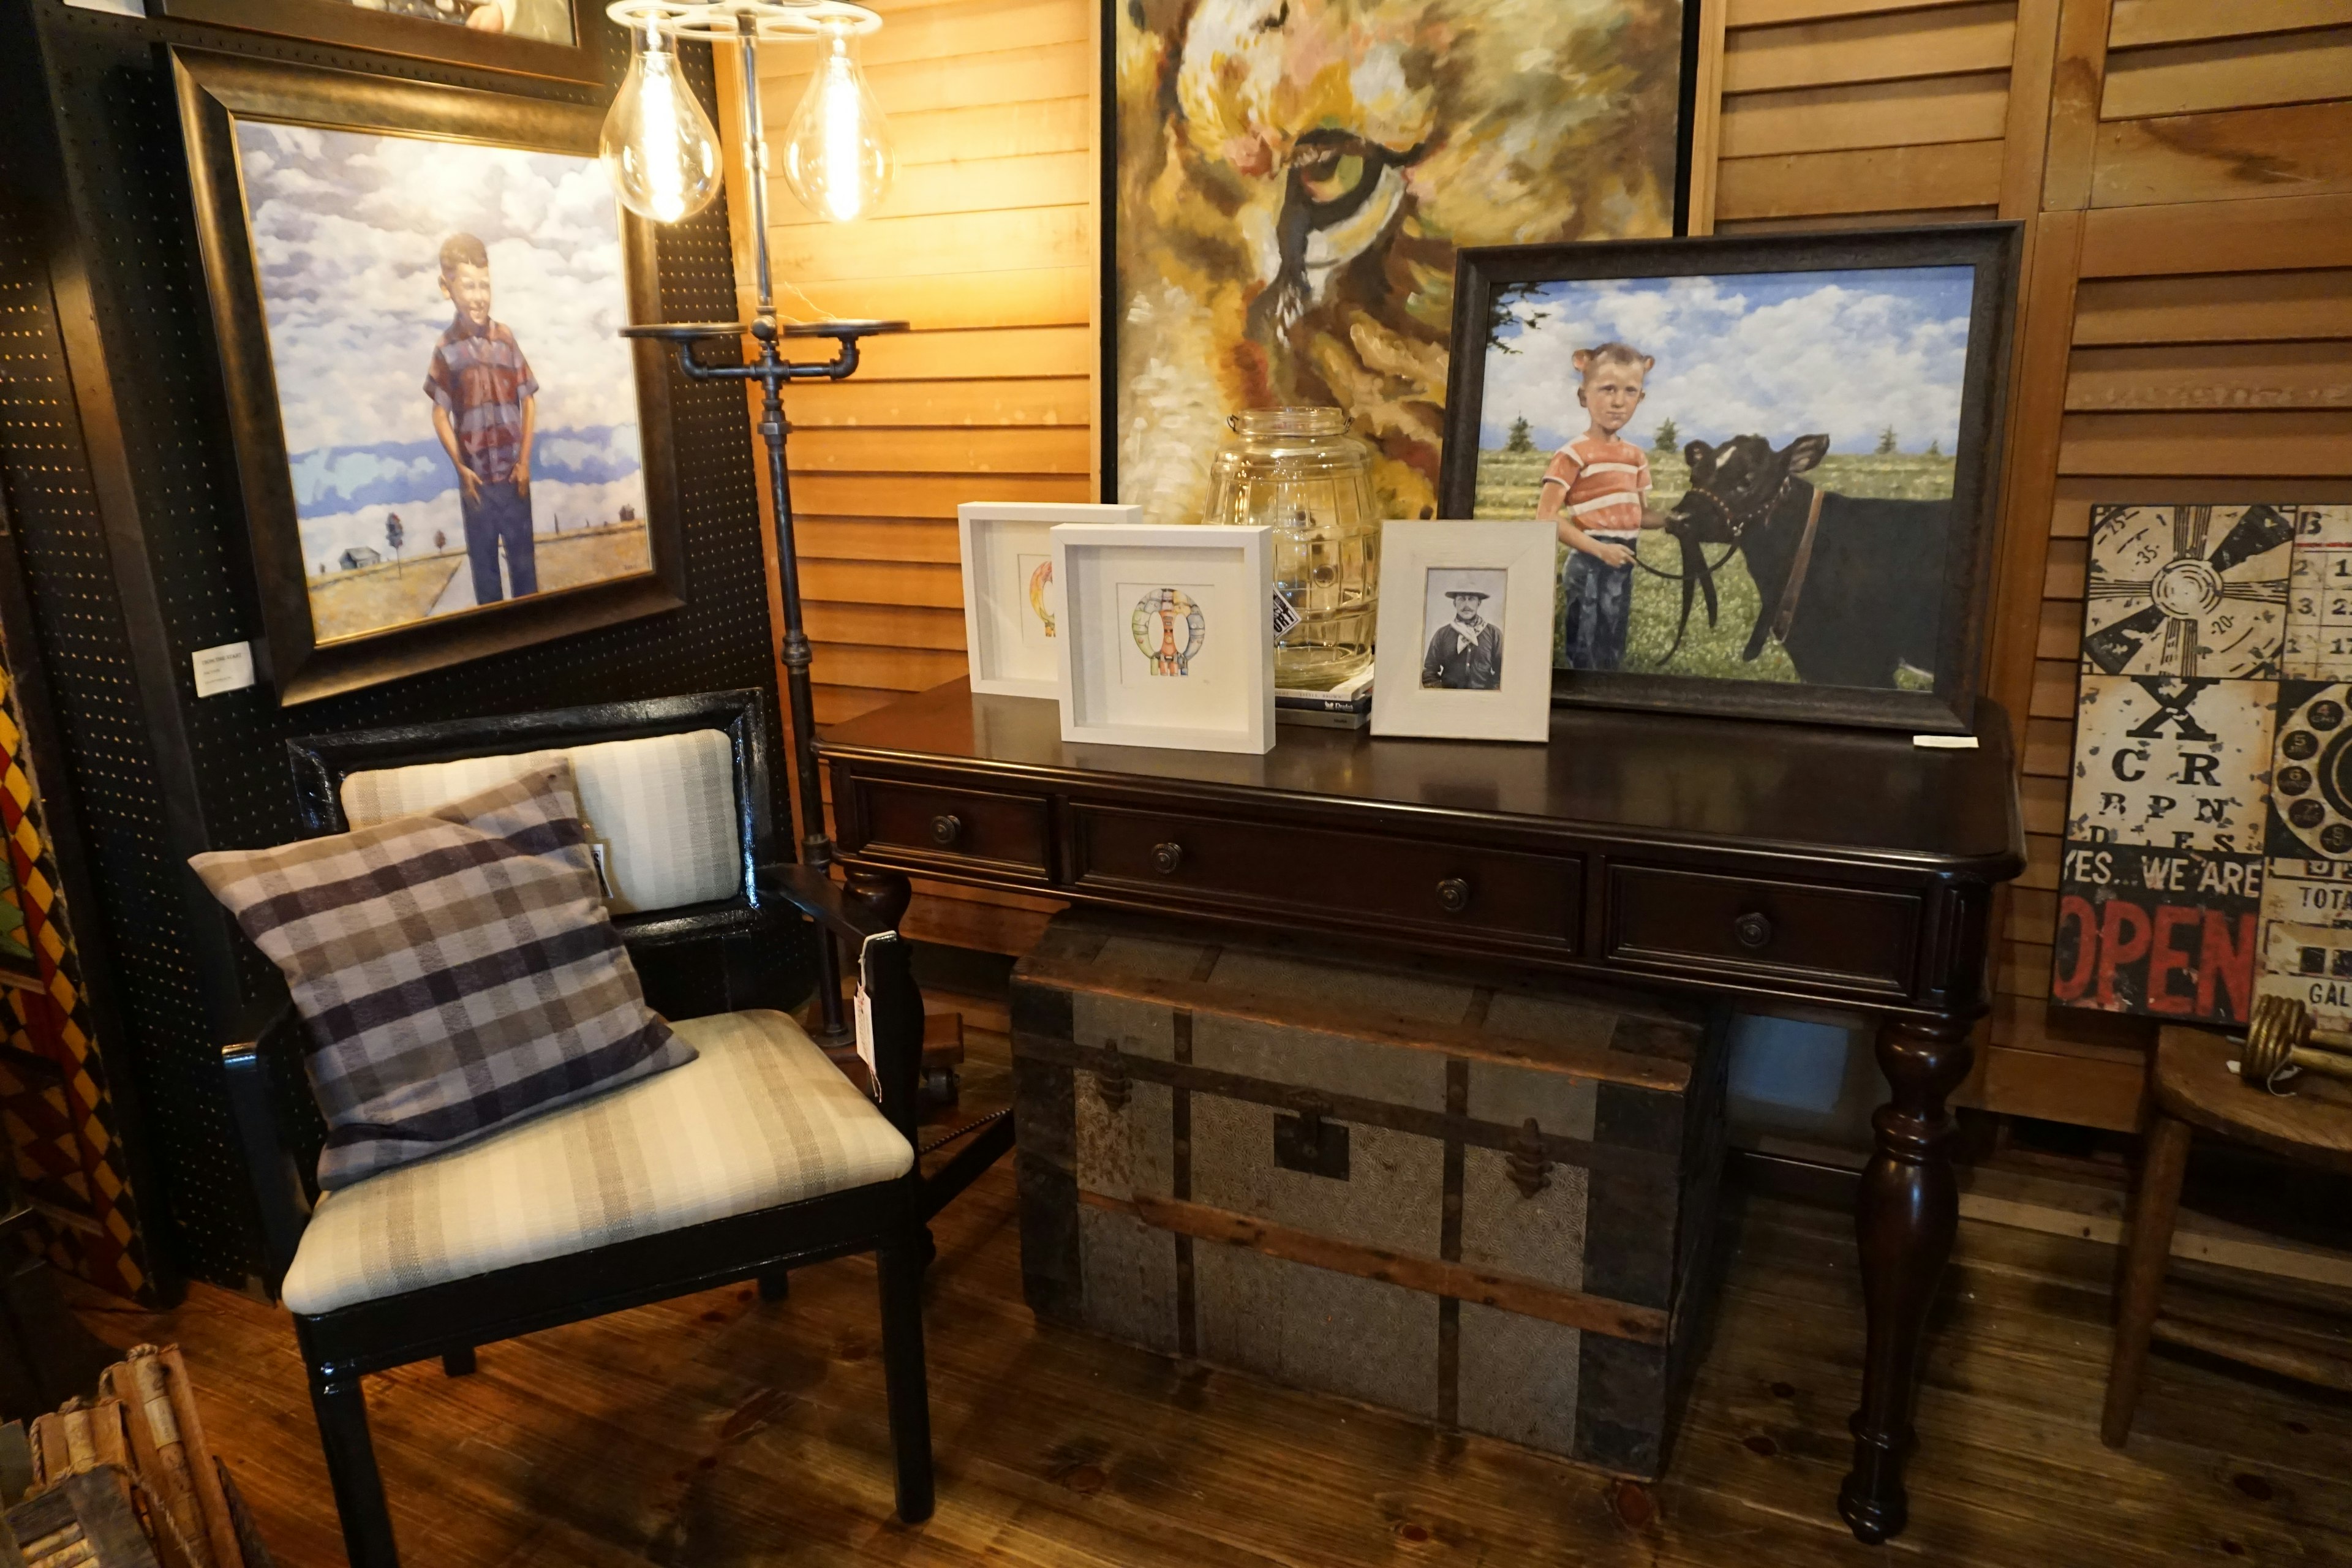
(2208, 855)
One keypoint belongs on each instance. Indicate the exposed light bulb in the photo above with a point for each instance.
(837, 155)
(660, 150)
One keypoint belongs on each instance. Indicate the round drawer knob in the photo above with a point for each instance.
(1752, 929)
(1167, 858)
(946, 828)
(1454, 895)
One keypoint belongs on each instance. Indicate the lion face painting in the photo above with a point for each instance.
(1293, 176)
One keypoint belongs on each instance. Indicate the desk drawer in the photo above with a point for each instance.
(951, 825)
(1850, 936)
(1359, 878)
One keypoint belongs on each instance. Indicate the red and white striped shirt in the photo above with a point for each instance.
(1605, 480)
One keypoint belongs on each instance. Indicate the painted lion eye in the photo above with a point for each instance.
(1280, 19)
(1333, 178)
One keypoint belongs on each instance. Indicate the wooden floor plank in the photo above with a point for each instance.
(720, 1430)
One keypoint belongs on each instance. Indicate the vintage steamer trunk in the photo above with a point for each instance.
(1487, 1205)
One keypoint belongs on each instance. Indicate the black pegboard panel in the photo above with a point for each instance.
(163, 774)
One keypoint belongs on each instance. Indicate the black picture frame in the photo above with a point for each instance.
(1992, 248)
(216, 90)
(345, 26)
(1107, 303)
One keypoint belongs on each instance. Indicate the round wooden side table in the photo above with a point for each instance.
(2194, 1088)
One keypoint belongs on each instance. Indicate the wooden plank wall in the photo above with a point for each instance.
(2183, 169)
(2187, 336)
(985, 242)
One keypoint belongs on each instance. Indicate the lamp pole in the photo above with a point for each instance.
(772, 371)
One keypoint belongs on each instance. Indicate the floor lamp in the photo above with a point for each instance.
(666, 163)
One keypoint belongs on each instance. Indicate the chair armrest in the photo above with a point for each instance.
(278, 1189)
(820, 899)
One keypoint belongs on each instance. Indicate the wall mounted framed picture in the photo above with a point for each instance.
(1463, 647)
(553, 38)
(1771, 462)
(1285, 185)
(1167, 637)
(445, 449)
(1011, 603)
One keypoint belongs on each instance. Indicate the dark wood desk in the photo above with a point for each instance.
(1778, 865)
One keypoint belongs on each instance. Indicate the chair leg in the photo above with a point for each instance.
(901, 1265)
(341, 1411)
(2151, 1246)
(776, 1285)
(458, 1363)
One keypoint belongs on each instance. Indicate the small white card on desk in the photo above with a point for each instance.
(229, 667)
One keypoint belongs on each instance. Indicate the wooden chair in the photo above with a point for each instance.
(700, 960)
(2194, 1087)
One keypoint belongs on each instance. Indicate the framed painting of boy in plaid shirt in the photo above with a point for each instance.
(445, 448)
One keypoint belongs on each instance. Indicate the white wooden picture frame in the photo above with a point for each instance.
(1436, 674)
(1168, 635)
(1010, 613)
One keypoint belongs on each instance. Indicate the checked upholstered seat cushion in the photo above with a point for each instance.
(759, 1118)
(457, 969)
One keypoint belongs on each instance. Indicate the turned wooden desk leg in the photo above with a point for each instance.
(1908, 1211)
(2153, 1211)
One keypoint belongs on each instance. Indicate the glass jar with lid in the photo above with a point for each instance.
(1297, 471)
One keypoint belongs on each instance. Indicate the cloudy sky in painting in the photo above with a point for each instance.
(1776, 355)
(347, 232)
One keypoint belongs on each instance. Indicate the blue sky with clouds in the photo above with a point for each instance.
(1777, 354)
(347, 231)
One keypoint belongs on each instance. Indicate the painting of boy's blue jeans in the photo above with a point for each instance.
(1597, 605)
(501, 515)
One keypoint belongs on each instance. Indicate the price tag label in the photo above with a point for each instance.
(1285, 614)
(862, 1009)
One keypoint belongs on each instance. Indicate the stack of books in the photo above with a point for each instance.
(1346, 706)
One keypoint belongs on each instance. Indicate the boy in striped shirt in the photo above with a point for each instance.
(1593, 492)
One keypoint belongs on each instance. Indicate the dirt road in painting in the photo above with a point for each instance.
(394, 593)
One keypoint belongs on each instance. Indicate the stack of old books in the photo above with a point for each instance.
(124, 1480)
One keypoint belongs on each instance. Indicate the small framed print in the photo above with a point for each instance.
(1166, 635)
(1012, 604)
(1463, 645)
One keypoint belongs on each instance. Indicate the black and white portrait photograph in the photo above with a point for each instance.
(1464, 620)
(1462, 624)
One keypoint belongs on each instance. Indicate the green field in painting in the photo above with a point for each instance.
(1507, 485)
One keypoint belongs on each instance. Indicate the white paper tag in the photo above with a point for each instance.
(864, 1009)
(229, 667)
(1285, 615)
(603, 872)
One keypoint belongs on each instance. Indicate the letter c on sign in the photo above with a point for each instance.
(2131, 754)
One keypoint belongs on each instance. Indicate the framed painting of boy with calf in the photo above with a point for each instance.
(1769, 463)
(446, 448)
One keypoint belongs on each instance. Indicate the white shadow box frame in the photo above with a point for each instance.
(1009, 617)
(1511, 563)
(1168, 635)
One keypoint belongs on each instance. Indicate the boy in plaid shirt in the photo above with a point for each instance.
(484, 402)
(1594, 494)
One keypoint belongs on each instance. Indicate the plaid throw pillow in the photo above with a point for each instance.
(456, 968)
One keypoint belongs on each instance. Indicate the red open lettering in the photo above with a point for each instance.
(2123, 938)
(2164, 957)
(2068, 985)
(2227, 965)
